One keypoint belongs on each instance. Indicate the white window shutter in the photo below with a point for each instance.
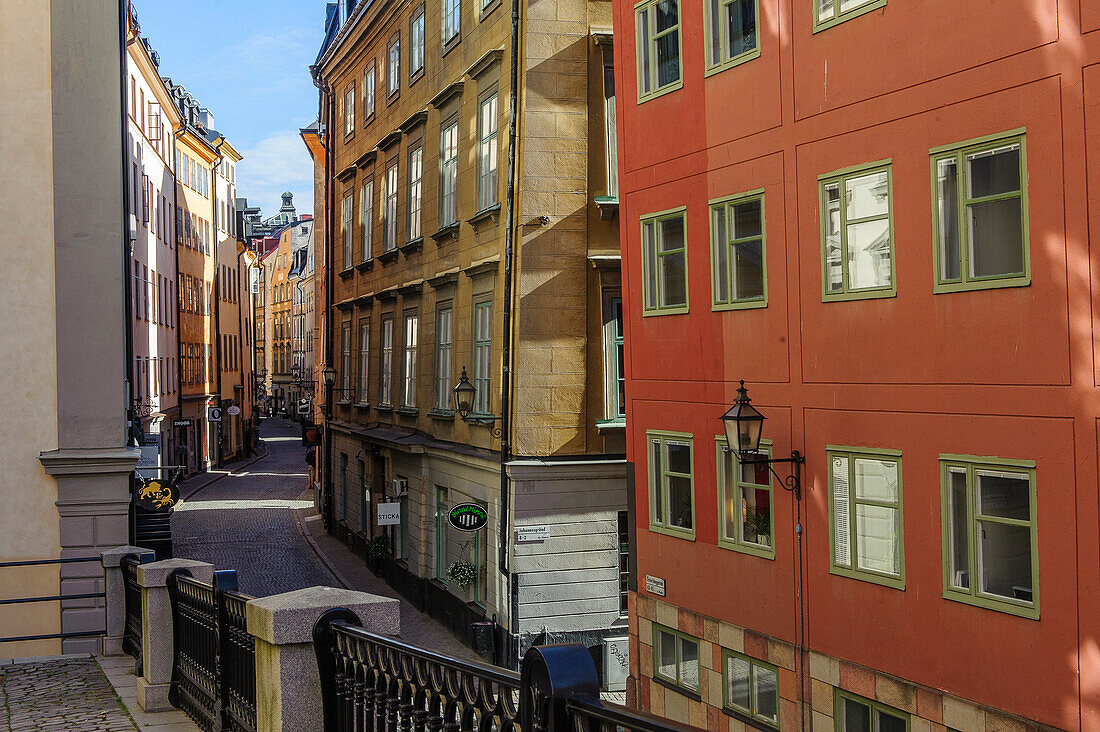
(841, 541)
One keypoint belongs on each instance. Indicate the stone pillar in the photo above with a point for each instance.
(116, 594)
(157, 643)
(288, 685)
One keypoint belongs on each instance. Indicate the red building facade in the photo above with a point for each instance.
(877, 215)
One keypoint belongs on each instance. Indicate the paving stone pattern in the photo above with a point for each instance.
(246, 520)
(64, 694)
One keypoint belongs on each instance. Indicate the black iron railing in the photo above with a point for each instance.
(371, 683)
(131, 593)
(50, 598)
(214, 669)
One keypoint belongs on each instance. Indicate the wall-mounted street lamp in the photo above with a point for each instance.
(744, 425)
(464, 395)
(328, 376)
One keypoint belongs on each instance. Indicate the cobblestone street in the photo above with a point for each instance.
(60, 694)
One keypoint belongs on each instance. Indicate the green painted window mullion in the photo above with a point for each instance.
(853, 531)
(961, 179)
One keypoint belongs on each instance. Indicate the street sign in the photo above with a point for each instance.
(303, 406)
(654, 585)
(468, 517)
(214, 414)
(389, 514)
(148, 463)
(181, 423)
(233, 411)
(532, 533)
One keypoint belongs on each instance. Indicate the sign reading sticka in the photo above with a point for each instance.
(389, 514)
(468, 517)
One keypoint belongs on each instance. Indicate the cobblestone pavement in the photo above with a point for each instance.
(246, 521)
(63, 694)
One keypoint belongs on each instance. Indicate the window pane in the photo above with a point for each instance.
(834, 272)
(689, 663)
(737, 681)
(655, 497)
(721, 263)
(876, 479)
(714, 47)
(857, 717)
(766, 694)
(869, 254)
(867, 195)
(877, 537)
(756, 511)
(824, 9)
(741, 20)
(960, 540)
(668, 14)
(649, 245)
(1006, 495)
(841, 547)
(666, 655)
(642, 22)
(668, 59)
(756, 473)
(996, 238)
(672, 233)
(993, 171)
(673, 280)
(1004, 559)
(679, 502)
(889, 723)
(747, 221)
(679, 458)
(947, 183)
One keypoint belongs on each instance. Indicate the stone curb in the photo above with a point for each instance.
(260, 456)
(300, 515)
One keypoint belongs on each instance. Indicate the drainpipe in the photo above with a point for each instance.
(179, 328)
(506, 353)
(216, 291)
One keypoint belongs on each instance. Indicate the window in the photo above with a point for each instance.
(369, 91)
(624, 563)
(393, 80)
(745, 521)
(614, 361)
(441, 533)
(989, 533)
(345, 217)
(364, 501)
(390, 210)
(831, 12)
(856, 714)
(448, 172)
(366, 217)
(732, 34)
(345, 363)
(344, 486)
(483, 343)
(416, 157)
(444, 346)
(658, 28)
(385, 397)
(487, 153)
(676, 658)
(416, 43)
(738, 269)
(857, 237)
(865, 515)
(364, 360)
(452, 20)
(671, 491)
(664, 257)
(980, 214)
(408, 385)
(609, 117)
(751, 687)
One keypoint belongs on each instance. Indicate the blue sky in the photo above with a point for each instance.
(247, 61)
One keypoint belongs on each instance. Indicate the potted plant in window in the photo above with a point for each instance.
(377, 549)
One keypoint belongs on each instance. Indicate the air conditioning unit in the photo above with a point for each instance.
(400, 487)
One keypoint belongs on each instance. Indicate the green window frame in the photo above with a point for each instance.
(664, 262)
(972, 521)
(440, 533)
(737, 237)
(670, 484)
(483, 348)
(658, 48)
(676, 659)
(742, 495)
(854, 713)
(861, 504)
(828, 13)
(960, 256)
(614, 360)
(857, 247)
(750, 688)
(735, 41)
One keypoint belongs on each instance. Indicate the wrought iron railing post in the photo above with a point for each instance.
(549, 676)
(173, 599)
(324, 641)
(225, 580)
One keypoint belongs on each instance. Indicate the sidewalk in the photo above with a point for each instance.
(196, 483)
(417, 628)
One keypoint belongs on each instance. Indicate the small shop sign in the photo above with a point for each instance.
(654, 585)
(468, 517)
(389, 514)
(532, 533)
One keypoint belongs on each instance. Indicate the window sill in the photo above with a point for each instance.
(442, 414)
(668, 88)
(448, 231)
(748, 720)
(365, 265)
(678, 689)
(362, 405)
(604, 425)
(383, 408)
(752, 551)
(825, 25)
(608, 206)
(346, 273)
(412, 246)
(490, 213)
(489, 8)
(392, 97)
(685, 534)
(407, 411)
(450, 44)
(741, 305)
(678, 310)
(388, 257)
(731, 62)
(941, 288)
(897, 583)
(416, 76)
(860, 295)
(1019, 607)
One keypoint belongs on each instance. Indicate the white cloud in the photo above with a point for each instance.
(279, 162)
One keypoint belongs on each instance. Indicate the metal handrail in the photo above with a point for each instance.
(583, 709)
(50, 598)
(60, 560)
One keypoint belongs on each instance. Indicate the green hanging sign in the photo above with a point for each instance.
(468, 517)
